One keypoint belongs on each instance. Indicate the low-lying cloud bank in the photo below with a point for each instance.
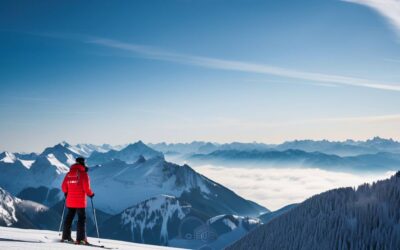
(277, 187)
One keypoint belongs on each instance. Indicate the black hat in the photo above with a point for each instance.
(80, 160)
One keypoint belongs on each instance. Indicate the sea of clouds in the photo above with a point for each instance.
(277, 187)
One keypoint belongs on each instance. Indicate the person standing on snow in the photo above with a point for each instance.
(76, 186)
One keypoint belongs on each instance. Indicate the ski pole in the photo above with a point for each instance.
(62, 218)
(95, 219)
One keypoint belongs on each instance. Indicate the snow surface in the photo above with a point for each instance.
(61, 168)
(70, 159)
(24, 239)
(86, 150)
(27, 163)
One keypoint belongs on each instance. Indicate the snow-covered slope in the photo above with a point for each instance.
(166, 220)
(23, 239)
(152, 221)
(60, 155)
(21, 171)
(119, 185)
(8, 208)
(364, 218)
(21, 213)
(14, 176)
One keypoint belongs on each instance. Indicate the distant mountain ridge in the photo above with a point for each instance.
(382, 161)
(340, 148)
(129, 154)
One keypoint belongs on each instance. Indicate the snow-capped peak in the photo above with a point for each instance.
(8, 157)
(64, 144)
(27, 163)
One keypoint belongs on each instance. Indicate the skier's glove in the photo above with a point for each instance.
(91, 196)
(65, 194)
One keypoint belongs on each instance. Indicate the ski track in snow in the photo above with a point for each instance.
(29, 239)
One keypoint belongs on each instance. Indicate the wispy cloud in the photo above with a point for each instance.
(390, 9)
(154, 53)
(215, 63)
(377, 118)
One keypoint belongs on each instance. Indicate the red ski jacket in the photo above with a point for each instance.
(77, 185)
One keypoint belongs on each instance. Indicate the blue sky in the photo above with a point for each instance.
(268, 71)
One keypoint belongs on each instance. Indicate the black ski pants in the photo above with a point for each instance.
(81, 226)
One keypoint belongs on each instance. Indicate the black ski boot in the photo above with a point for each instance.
(67, 240)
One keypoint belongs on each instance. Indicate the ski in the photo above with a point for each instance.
(89, 245)
(100, 246)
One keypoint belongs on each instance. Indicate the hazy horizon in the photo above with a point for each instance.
(184, 142)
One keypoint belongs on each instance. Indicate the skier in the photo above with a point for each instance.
(76, 186)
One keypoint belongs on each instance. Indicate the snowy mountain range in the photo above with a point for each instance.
(137, 190)
(120, 185)
(346, 218)
(340, 148)
(382, 161)
(142, 197)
